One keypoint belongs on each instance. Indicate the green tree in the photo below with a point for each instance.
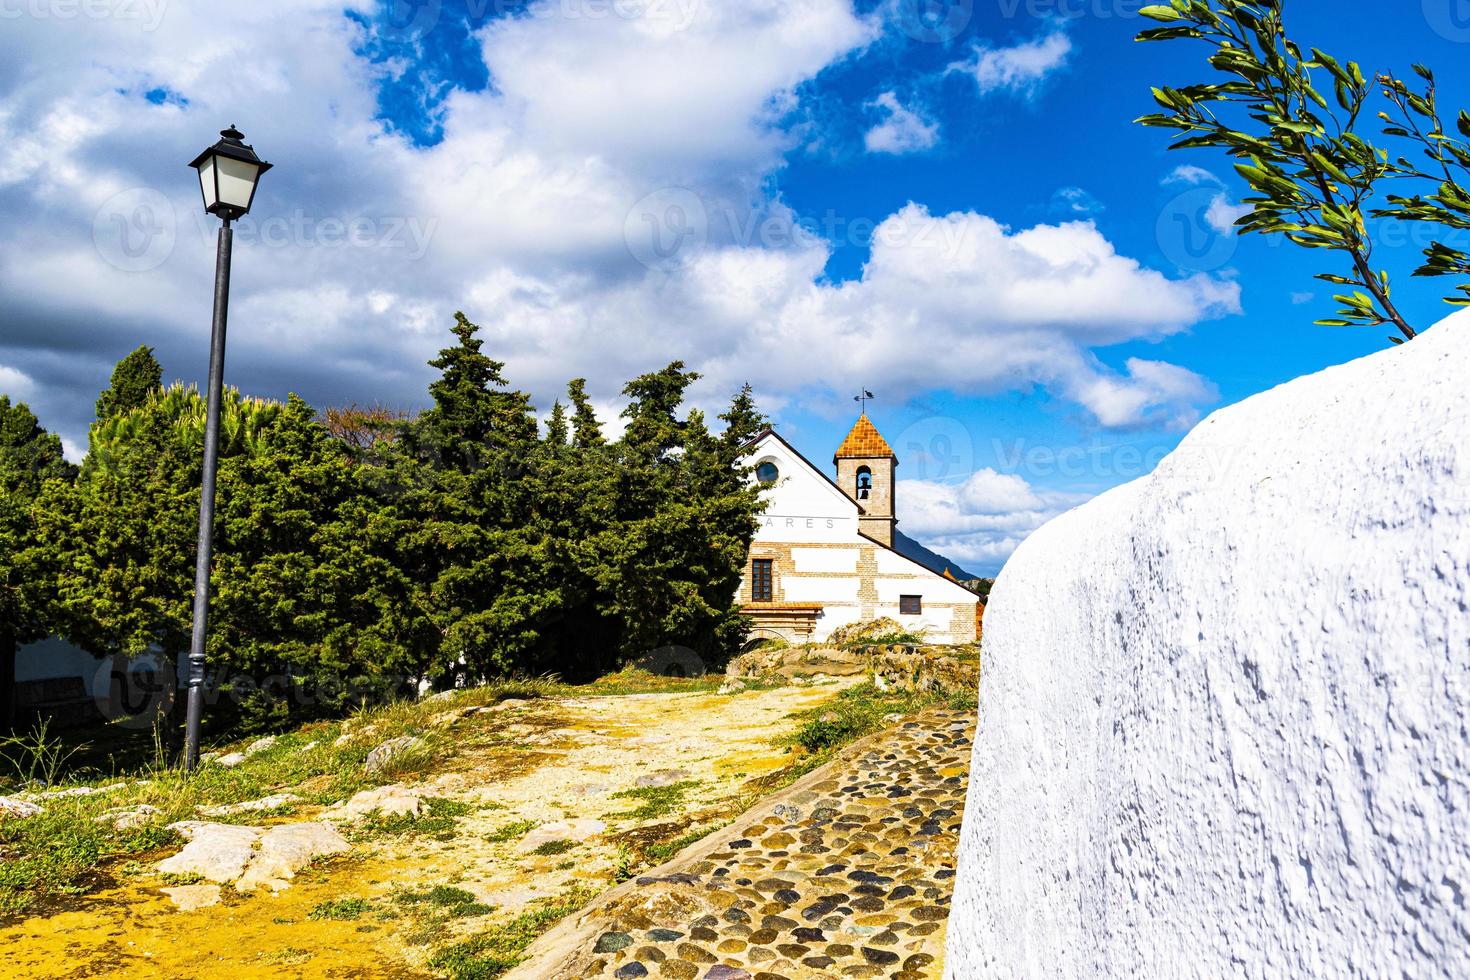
(586, 430)
(123, 536)
(309, 600)
(557, 430)
(29, 458)
(1313, 172)
(133, 379)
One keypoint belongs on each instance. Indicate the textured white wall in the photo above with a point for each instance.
(1224, 709)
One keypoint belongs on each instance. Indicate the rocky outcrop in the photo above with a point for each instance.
(1222, 721)
(250, 857)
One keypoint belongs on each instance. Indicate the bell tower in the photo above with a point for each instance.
(865, 466)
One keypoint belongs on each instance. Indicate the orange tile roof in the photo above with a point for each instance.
(862, 442)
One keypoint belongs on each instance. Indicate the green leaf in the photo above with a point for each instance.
(1160, 13)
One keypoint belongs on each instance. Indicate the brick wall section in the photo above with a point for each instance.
(948, 622)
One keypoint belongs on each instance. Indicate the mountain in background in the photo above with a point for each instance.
(932, 560)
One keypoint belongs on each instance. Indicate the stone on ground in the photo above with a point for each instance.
(388, 801)
(217, 852)
(847, 873)
(14, 809)
(273, 802)
(385, 754)
(578, 829)
(190, 898)
(286, 849)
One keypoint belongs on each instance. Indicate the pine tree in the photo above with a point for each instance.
(586, 430)
(133, 379)
(124, 535)
(743, 422)
(29, 458)
(556, 426)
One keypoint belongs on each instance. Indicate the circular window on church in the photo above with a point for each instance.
(767, 473)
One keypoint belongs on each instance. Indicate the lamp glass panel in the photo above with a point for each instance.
(206, 182)
(236, 181)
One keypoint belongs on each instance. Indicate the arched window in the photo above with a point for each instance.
(767, 472)
(864, 482)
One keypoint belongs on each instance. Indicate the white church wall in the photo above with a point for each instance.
(805, 528)
(1223, 708)
(799, 589)
(826, 560)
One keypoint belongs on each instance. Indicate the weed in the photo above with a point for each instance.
(340, 910)
(662, 852)
(456, 902)
(856, 712)
(493, 953)
(658, 801)
(511, 831)
(36, 757)
(438, 820)
(554, 847)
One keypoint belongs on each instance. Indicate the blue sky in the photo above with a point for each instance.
(609, 184)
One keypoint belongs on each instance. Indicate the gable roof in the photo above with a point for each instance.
(769, 432)
(863, 442)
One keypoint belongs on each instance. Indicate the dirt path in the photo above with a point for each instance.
(848, 873)
(545, 805)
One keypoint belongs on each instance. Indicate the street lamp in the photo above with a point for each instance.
(228, 173)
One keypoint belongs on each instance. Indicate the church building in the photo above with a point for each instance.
(824, 555)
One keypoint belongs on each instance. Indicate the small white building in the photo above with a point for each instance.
(824, 555)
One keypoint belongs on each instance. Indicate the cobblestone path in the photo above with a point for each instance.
(847, 873)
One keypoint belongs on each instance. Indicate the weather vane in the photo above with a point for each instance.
(863, 399)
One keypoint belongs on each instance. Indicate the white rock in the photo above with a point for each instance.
(218, 852)
(664, 777)
(128, 818)
(384, 755)
(14, 809)
(579, 829)
(1223, 709)
(286, 849)
(388, 801)
(273, 802)
(189, 898)
(260, 745)
(231, 760)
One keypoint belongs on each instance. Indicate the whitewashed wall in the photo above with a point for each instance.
(802, 506)
(1224, 709)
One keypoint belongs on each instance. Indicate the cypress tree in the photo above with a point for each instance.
(133, 379)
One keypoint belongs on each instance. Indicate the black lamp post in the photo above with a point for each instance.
(228, 173)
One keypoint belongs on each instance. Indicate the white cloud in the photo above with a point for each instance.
(1222, 215)
(527, 215)
(902, 131)
(980, 521)
(1188, 174)
(17, 384)
(1300, 299)
(1075, 201)
(1020, 68)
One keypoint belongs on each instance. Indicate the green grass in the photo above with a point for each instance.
(440, 819)
(856, 712)
(341, 910)
(511, 831)
(655, 801)
(659, 853)
(499, 950)
(456, 903)
(896, 638)
(554, 847)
